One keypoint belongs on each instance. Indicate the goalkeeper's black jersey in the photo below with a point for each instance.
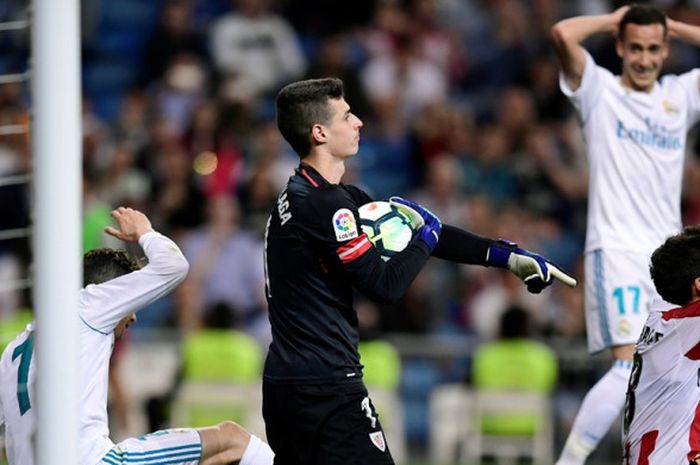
(315, 252)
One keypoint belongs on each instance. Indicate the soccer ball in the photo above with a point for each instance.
(386, 227)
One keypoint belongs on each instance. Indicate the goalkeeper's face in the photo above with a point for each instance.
(123, 325)
(343, 132)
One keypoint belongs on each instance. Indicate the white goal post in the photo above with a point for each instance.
(57, 188)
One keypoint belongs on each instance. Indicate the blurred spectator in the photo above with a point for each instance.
(255, 51)
(500, 292)
(532, 366)
(123, 184)
(174, 37)
(332, 60)
(489, 171)
(226, 267)
(183, 87)
(176, 197)
(550, 177)
(131, 124)
(15, 204)
(97, 138)
(214, 140)
(516, 114)
(543, 84)
(436, 42)
(441, 127)
(270, 167)
(499, 52)
(443, 191)
(389, 20)
(318, 18)
(96, 215)
(406, 77)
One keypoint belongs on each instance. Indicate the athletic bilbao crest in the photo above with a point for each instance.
(377, 439)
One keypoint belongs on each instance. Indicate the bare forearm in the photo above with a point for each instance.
(567, 36)
(575, 30)
(683, 31)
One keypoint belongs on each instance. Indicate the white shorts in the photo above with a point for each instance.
(618, 295)
(172, 446)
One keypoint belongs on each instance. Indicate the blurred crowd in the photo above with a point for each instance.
(462, 113)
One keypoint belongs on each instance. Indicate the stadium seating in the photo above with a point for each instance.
(222, 372)
(511, 408)
(505, 439)
(450, 406)
(382, 375)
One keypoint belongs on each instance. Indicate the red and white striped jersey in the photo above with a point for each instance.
(662, 412)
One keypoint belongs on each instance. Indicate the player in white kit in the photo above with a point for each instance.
(635, 130)
(114, 289)
(662, 414)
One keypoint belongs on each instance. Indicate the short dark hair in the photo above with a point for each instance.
(675, 265)
(515, 323)
(642, 15)
(100, 265)
(302, 104)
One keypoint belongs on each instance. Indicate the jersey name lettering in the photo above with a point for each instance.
(283, 208)
(649, 336)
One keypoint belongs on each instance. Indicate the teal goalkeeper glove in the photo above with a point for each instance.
(532, 269)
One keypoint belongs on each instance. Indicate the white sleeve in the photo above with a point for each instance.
(3, 373)
(690, 82)
(586, 96)
(103, 305)
(2, 416)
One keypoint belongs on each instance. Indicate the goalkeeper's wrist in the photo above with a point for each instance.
(499, 252)
(430, 236)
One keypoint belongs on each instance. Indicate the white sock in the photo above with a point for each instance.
(257, 453)
(599, 409)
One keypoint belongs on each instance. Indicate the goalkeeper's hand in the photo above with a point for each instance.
(423, 220)
(536, 272)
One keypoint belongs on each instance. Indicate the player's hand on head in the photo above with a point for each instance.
(132, 224)
(422, 219)
(536, 272)
(616, 17)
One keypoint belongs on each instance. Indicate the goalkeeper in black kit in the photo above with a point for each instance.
(315, 405)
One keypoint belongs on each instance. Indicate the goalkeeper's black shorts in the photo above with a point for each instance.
(323, 424)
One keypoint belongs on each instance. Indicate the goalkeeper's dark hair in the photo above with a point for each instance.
(100, 265)
(675, 265)
(302, 104)
(643, 15)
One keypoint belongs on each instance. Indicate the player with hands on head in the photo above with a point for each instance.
(114, 288)
(316, 407)
(635, 127)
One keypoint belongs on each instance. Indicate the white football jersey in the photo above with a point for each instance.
(662, 413)
(17, 381)
(102, 307)
(636, 146)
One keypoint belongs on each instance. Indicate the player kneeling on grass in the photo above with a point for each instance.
(662, 412)
(114, 289)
